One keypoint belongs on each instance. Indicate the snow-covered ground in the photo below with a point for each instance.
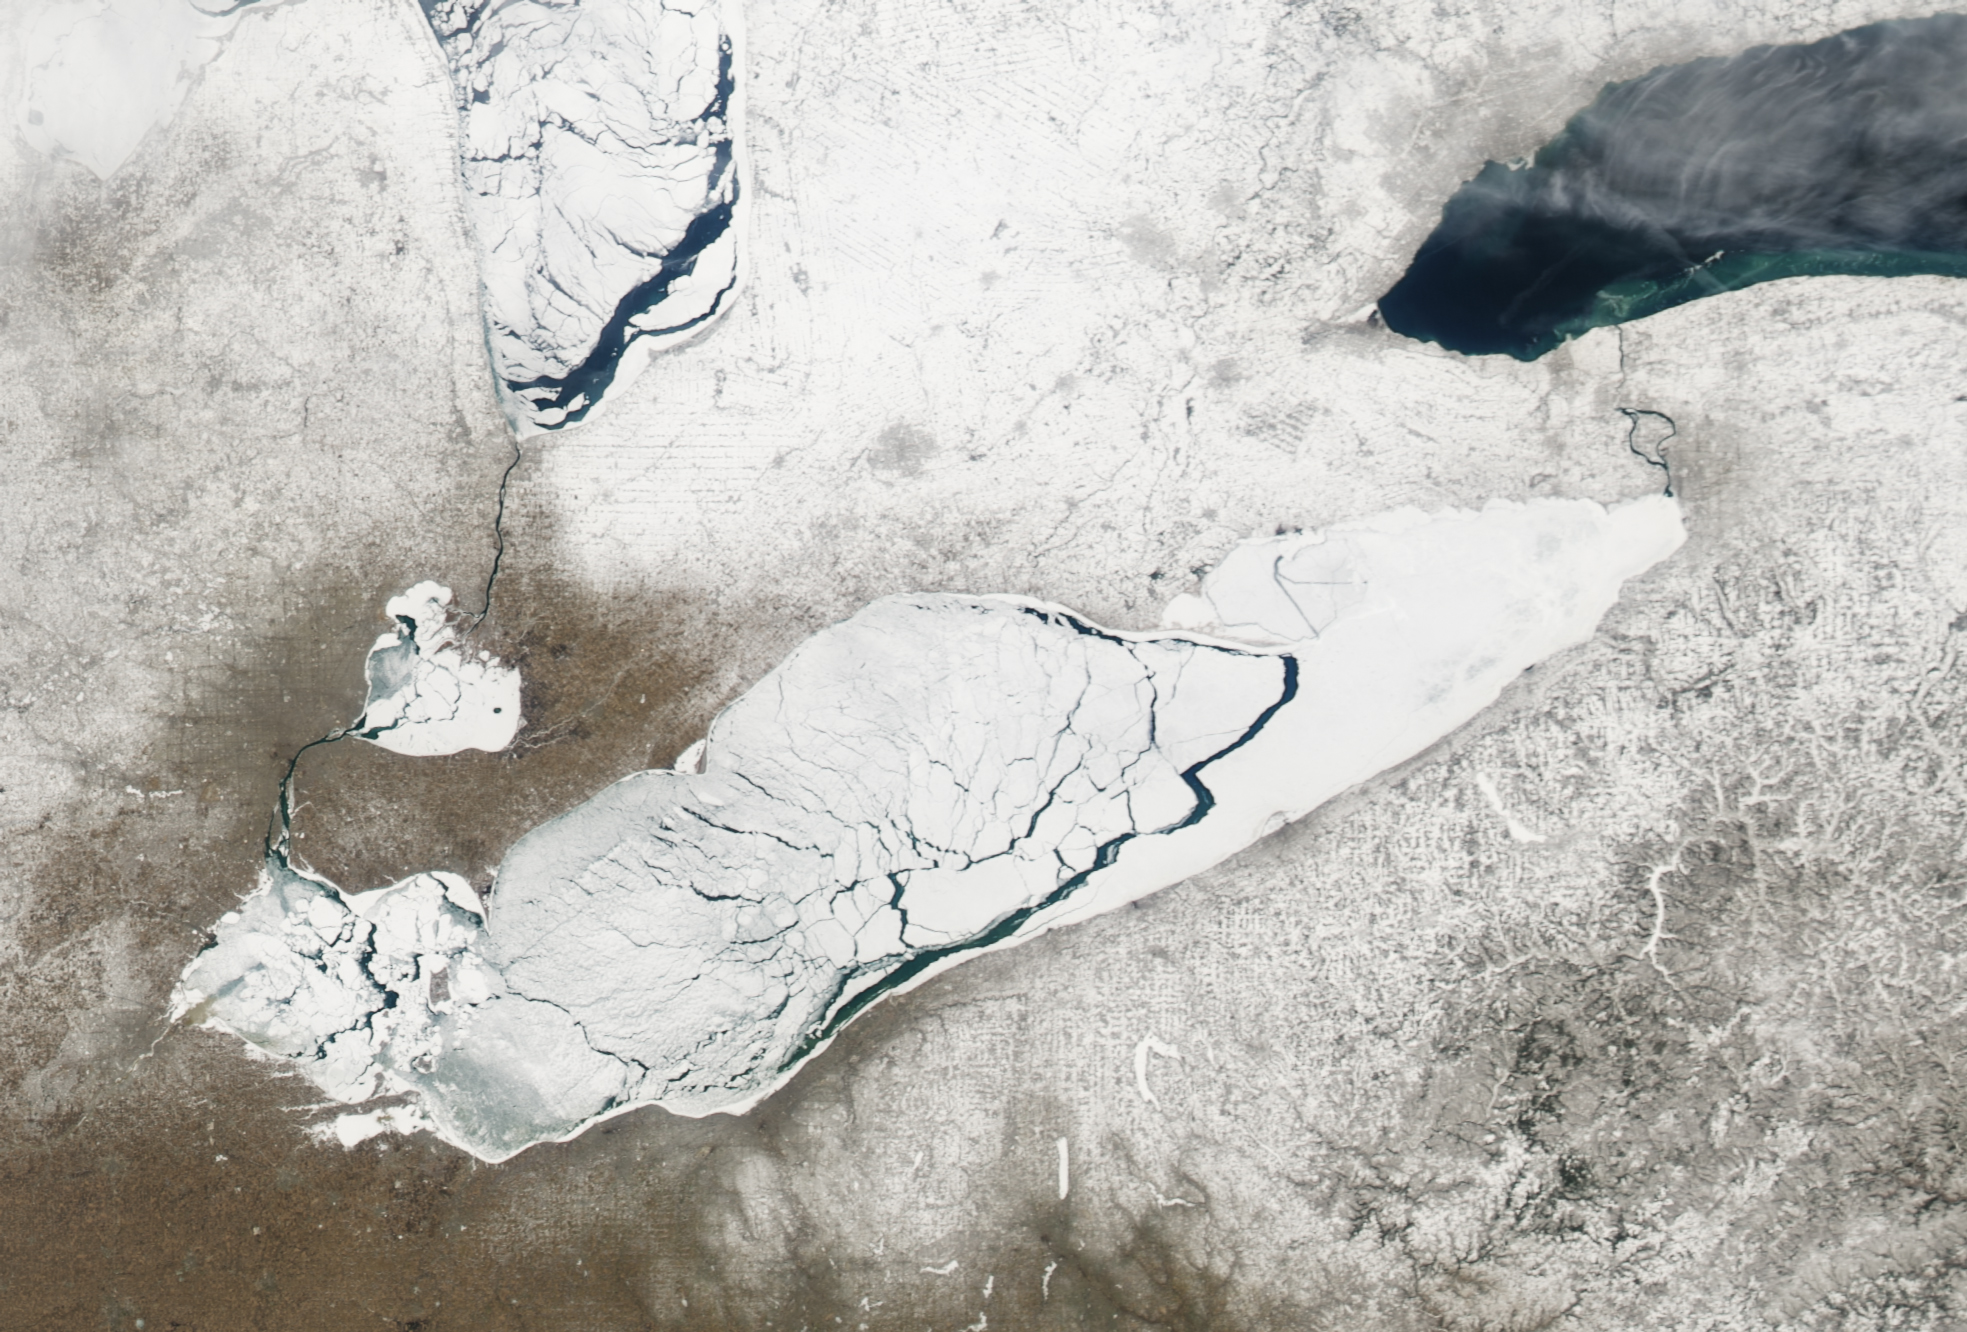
(1066, 301)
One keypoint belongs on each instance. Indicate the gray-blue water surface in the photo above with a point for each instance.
(1847, 155)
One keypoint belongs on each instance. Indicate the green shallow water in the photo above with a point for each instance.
(1623, 302)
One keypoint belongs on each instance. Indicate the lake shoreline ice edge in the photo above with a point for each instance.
(936, 777)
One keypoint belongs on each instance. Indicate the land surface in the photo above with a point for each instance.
(1056, 303)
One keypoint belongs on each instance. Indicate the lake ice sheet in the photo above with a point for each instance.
(937, 775)
(429, 693)
(101, 74)
(599, 157)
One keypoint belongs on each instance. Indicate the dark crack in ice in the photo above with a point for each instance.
(599, 159)
(936, 776)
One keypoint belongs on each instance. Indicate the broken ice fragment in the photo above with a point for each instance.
(599, 161)
(936, 776)
(428, 693)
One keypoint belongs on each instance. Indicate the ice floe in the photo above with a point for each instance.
(937, 775)
(600, 171)
(429, 693)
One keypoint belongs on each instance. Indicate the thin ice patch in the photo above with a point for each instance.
(430, 693)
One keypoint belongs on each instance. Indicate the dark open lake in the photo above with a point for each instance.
(1847, 155)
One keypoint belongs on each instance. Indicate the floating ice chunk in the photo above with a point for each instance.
(298, 972)
(428, 694)
(599, 158)
(370, 993)
(936, 776)
(102, 73)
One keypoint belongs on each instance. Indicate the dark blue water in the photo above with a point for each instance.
(1847, 155)
(576, 392)
(553, 401)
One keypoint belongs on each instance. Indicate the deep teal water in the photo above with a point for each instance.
(1845, 156)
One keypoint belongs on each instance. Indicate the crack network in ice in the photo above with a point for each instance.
(599, 157)
(935, 776)
(429, 694)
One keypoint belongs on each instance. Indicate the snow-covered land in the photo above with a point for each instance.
(428, 693)
(102, 73)
(599, 160)
(938, 775)
(599, 166)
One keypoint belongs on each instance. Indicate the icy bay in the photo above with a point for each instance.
(599, 163)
